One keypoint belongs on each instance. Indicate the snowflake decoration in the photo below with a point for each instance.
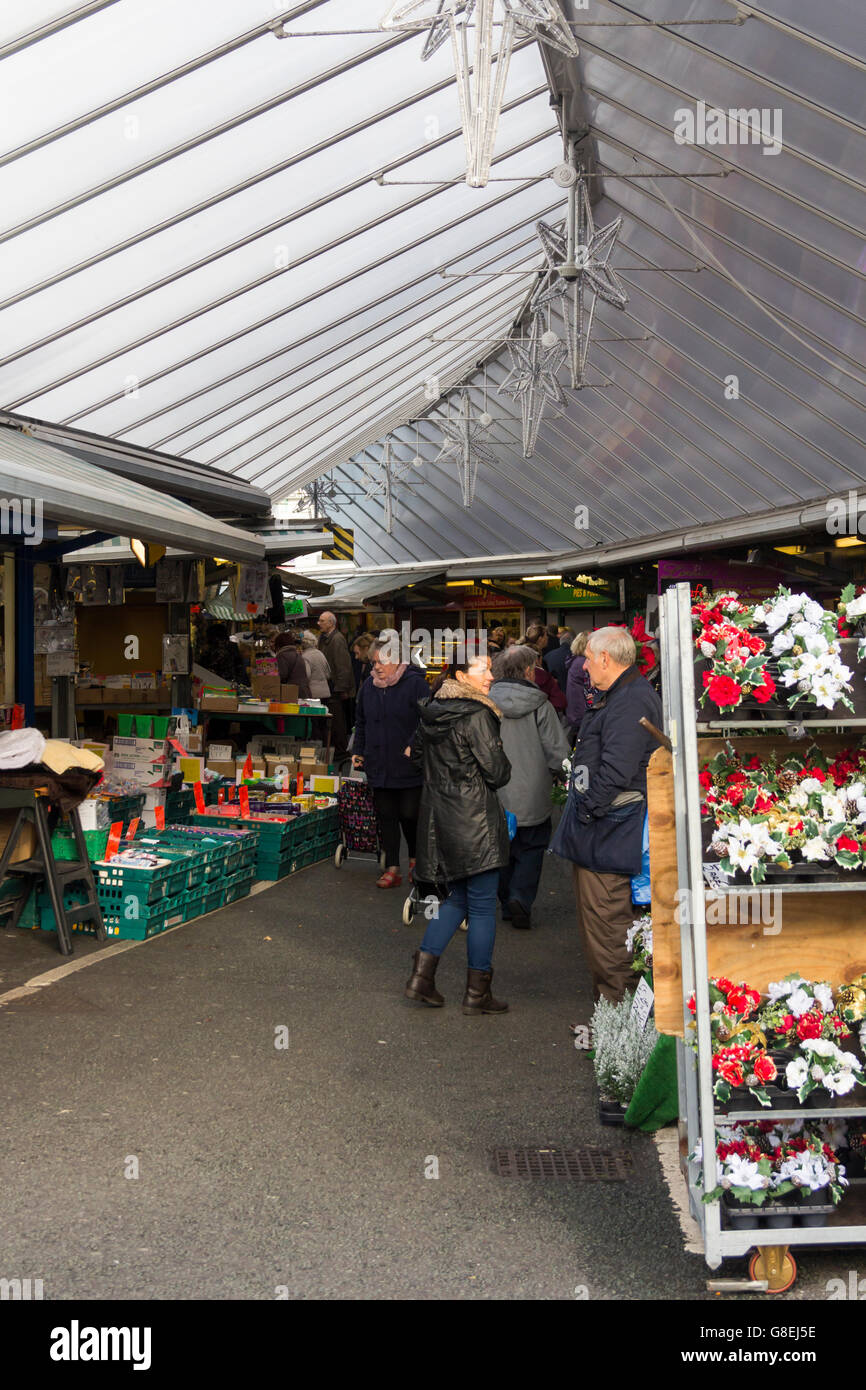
(480, 62)
(534, 380)
(378, 479)
(463, 441)
(596, 279)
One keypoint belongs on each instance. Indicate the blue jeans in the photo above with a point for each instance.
(520, 878)
(475, 899)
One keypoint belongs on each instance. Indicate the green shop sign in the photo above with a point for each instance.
(588, 591)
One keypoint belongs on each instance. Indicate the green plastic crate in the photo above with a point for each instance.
(11, 890)
(239, 886)
(118, 881)
(168, 912)
(63, 844)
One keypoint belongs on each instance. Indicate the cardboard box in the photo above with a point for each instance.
(89, 695)
(163, 695)
(331, 785)
(287, 695)
(266, 687)
(220, 704)
(195, 741)
(26, 847)
(224, 769)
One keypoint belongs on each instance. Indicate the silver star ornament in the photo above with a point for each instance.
(534, 380)
(463, 442)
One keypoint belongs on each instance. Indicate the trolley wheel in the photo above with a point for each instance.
(409, 911)
(777, 1265)
(383, 864)
(339, 856)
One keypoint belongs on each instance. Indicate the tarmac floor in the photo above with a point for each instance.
(247, 1107)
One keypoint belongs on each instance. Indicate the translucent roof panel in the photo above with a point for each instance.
(260, 254)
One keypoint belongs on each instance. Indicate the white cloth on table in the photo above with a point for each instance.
(20, 748)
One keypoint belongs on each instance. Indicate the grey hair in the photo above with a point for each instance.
(309, 639)
(513, 663)
(578, 646)
(617, 642)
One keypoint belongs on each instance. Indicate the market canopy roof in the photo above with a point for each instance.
(74, 493)
(352, 591)
(198, 259)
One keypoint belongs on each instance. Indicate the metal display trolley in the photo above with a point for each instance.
(773, 1267)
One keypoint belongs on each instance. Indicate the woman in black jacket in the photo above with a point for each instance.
(290, 663)
(462, 833)
(386, 719)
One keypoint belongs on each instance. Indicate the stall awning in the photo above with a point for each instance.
(71, 492)
(352, 591)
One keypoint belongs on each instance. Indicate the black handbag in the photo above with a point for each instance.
(608, 844)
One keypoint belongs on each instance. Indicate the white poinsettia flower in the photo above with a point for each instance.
(743, 1172)
(796, 1073)
(782, 642)
(790, 676)
(811, 785)
(848, 1061)
(826, 693)
(832, 807)
(799, 1003)
(854, 791)
(824, 995)
(742, 856)
(815, 849)
(776, 617)
(822, 1047)
(813, 612)
(803, 629)
(839, 1083)
(856, 607)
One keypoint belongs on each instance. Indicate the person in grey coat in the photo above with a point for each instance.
(535, 744)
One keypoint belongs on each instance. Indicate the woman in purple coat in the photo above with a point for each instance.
(577, 684)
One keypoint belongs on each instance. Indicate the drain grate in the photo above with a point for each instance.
(574, 1165)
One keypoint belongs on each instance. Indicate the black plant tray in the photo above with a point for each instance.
(774, 1215)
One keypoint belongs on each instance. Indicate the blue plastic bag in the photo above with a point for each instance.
(511, 822)
(640, 884)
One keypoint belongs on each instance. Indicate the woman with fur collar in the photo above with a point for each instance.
(462, 832)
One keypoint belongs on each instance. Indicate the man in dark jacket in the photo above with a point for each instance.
(386, 721)
(333, 644)
(610, 762)
(557, 653)
(535, 744)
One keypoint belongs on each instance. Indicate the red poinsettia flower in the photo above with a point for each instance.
(845, 842)
(765, 692)
(729, 1071)
(735, 794)
(754, 763)
(763, 802)
(764, 1068)
(724, 692)
(705, 779)
(810, 1025)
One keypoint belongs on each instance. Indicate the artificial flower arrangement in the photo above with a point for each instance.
(765, 1162)
(639, 942)
(793, 1037)
(802, 640)
(808, 810)
(851, 609)
(722, 624)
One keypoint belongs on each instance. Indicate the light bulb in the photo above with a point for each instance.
(485, 420)
(417, 461)
(549, 339)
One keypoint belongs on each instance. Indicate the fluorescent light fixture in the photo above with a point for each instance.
(540, 578)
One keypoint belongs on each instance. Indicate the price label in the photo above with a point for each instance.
(300, 791)
(159, 817)
(133, 828)
(114, 835)
(232, 791)
(642, 1004)
(245, 802)
(221, 796)
(198, 793)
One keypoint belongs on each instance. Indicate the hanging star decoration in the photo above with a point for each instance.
(463, 441)
(591, 278)
(534, 379)
(324, 489)
(482, 46)
(378, 479)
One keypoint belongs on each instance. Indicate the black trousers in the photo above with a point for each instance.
(337, 706)
(396, 807)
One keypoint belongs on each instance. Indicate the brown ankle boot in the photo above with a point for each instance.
(422, 984)
(478, 999)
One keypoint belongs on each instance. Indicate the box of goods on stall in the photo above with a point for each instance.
(222, 769)
(89, 695)
(128, 746)
(323, 783)
(219, 704)
(266, 687)
(195, 742)
(280, 767)
(259, 767)
(139, 770)
(144, 680)
(287, 695)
